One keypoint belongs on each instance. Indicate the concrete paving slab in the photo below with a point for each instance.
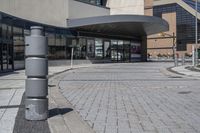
(140, 93)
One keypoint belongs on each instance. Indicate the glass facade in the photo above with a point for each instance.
(60, 43)
(94, 2)
(185, 24)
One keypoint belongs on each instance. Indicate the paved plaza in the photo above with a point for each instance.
(134, 98)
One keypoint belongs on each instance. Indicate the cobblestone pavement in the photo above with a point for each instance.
(134, 98)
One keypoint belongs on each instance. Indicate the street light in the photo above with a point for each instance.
(72, 54)
(174, 45)
(194, 48)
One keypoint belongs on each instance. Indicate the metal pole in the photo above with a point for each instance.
(174, 51)
(36, 64)
(196, 39)
(72, 53)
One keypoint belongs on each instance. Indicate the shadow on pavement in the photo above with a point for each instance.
(25, 126)
(59, 111)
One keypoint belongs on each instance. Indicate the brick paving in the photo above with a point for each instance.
(134, 98)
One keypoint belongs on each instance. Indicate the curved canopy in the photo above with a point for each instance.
(126, 25)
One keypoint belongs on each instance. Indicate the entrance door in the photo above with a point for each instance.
(6, 47)
(120, 51)
(114, 49)
(7, 61)
(106, 49)
(126, 51)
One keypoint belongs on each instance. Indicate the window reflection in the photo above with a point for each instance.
(135, 51)
(90, 48)
(98, 48)
(114, 47)
(18, 40)
(106, 49)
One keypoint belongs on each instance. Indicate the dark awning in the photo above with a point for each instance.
(125, 25)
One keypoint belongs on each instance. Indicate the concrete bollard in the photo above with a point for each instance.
(183, 60)
(36, 63)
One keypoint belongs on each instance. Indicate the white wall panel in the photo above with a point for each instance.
(126, 7)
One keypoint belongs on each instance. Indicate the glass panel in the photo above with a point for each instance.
(68, 48)
(120, 51)
(135, 51)
(1, 62)
(126, 50)
(18, 42)
(5, 56)
(98, 48)
(114, 50)
(80, 49)
(106, 49)
(4, 31)
(51, 45)
(90, 48)
(10, 53)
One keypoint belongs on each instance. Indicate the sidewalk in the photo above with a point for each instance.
(12, 87)
(182, 70)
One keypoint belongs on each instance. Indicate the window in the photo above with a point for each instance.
(90, 48)
(98, 48)
(18, 40)
(94, 2)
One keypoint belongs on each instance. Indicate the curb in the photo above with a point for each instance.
(63, 118)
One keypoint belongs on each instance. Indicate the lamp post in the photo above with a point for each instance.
(72, 54)
(173, 47)
(195, 52)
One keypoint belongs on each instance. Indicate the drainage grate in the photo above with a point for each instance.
(175, 77)
(12, 106)
(185, 92)
(5, 89)
(51, 85)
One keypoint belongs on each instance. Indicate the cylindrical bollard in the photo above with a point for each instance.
(183, 60)
(36, 63)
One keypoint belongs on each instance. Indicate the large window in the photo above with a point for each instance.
(18, 40)
(90, 48)
(185, 23)
(114, 49)
(106, 48)
(135, 49)
(80, 49)
(95, 2)
(98, 48)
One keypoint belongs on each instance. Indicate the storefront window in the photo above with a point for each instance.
(90, 48)
(120, 51)
(98, 48)
(106, 49)
(114, 49)
(51, 40)
(126, 51)
(135, 51)
(18, 40)
(80, 49)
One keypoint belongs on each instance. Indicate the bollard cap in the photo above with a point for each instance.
(36, 30)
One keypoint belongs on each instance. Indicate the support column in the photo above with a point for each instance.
(144, 49)
(36, 65)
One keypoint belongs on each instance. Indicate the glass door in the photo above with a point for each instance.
(98, 48)
(120, 53)
(135, 51)
(126, 51)
(6, 45)
(106, 49)
(114, 48)
(7, 61)
(90, 50)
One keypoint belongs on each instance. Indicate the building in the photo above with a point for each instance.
(180, 14)
(98, 30)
